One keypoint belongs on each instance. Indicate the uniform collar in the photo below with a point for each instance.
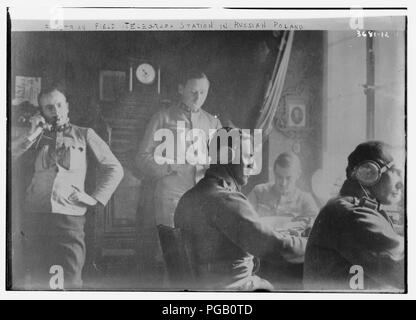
(64, 128)
(51, 136)
(185, 108)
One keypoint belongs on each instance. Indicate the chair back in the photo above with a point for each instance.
(175, 254)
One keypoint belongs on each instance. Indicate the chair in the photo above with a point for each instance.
(177, 260)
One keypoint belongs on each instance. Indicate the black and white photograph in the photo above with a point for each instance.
(207, 155)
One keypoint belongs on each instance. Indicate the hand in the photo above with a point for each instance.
(305, 220)
(293, 228)
(296, 224)
(36, 122)
(80, 196)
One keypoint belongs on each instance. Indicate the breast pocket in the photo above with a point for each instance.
(77, 157)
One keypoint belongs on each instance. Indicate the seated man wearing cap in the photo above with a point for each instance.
(353, 244)
(222, 230)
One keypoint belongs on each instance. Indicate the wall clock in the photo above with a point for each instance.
(144, 76)
(145, 73)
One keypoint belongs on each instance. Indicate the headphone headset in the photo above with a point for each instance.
(369, 172)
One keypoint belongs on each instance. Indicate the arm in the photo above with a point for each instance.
(145, 157)
(236, 219)
(20, 145)
(110, 171)
(23, 143)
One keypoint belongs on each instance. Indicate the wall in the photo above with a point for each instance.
(304, 81)
(390, 89)
(344, 106)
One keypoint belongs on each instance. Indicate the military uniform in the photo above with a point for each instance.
(53, 225)
(349, 237)
(170, 186)
(292, 207)
(223, 233)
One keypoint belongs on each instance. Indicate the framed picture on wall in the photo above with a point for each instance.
(27, 89)
(112, 84)
(296, 113)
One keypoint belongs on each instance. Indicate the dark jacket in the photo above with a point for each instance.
(223, 233)
(347, 236)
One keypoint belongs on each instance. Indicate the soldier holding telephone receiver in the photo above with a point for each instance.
(56, 202)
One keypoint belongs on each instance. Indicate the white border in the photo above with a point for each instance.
(217, 12)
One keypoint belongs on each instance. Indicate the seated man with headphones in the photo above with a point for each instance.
(221, 229)
(353, 245)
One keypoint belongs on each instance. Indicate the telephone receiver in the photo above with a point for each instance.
(28, 111)
(50, 125)
(47, 126)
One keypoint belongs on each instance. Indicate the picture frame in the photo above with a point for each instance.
(296, 113)
(112, 84)
(27, 89)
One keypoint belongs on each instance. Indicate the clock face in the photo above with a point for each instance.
(145, 73)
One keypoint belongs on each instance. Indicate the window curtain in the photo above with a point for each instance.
(275, 86)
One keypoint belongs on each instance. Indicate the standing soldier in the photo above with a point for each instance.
(173, 180)
(56, 202)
